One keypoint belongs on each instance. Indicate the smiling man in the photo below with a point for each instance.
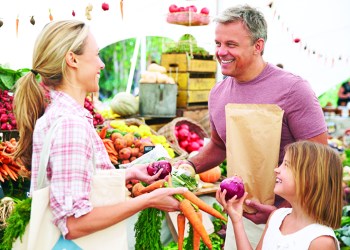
(240, 37)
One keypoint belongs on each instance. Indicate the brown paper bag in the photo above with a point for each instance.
(253, 135)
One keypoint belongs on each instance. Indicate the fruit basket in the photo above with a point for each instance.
(188, 19)
(169, 131)
(188, 15)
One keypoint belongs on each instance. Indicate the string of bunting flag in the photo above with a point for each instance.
(303, 44)
(32, 18)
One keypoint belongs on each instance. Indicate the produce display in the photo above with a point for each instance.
(97, 117)
(156, 74)
(188, 15)
(125, 104)
(212, 175)
(125, 143)
(190, 204)
(9, 168)
(7, 117)
(188, 140)
(187, 44)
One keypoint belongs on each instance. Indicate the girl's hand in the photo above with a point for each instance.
(233, 207)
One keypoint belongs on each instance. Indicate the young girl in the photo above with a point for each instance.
(310, 179)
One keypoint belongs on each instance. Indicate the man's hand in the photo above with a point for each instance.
(262, 214)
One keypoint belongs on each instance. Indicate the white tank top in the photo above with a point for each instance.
(300, 240)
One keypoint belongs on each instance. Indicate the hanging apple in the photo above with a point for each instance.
(173, 8)
(105, 6)
(296, 40)
(73, 13)
(205, 11)
(192, 8)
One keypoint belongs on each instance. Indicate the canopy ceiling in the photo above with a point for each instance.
(322, 55)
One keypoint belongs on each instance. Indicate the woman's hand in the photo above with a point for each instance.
(233, 207)
(139, 172)
(162, 198)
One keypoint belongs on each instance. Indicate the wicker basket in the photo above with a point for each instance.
(168, 131)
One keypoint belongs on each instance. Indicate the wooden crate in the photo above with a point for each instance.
(158, 99)
(187, 98)
(194, 81)
(184, 63)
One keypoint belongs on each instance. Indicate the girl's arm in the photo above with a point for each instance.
(324, 242)
(234, 209)
(259, 246)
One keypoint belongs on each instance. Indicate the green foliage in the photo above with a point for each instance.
(9, 77)
(223, 168)
(346, 161)
(117, 59)
(16, 223)
(330, 96)
(148, 229)
(180, 179)
(219, 224)
(16, 189)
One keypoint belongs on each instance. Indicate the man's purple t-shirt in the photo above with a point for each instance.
(303, 116)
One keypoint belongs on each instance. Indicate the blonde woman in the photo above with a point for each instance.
(310, 179)
(66, 57)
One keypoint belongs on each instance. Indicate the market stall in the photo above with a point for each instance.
(171, 110)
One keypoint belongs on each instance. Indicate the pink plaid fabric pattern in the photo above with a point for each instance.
(70, 166)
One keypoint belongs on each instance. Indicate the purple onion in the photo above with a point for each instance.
(154, 167)
(234, 186)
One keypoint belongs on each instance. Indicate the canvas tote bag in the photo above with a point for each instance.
(41, 234)
(253, 137)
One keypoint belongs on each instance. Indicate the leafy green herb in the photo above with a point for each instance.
(8, 77)
(16, 223)
(148, 229)
(181, 179)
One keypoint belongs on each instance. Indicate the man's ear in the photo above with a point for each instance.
(259, 46)
(71, 59)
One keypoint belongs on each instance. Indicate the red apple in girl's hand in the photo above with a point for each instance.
(105, 6)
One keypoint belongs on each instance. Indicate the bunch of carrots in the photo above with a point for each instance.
(108, 143)
(190, 207)
(8, 167)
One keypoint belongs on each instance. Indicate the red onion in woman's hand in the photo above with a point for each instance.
(233, 186)
(154, 168)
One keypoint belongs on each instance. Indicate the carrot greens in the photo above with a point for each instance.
(148, 229)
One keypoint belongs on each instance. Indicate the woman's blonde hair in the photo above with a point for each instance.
(55, 40)
(318, 173)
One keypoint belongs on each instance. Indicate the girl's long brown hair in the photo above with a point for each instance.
(318, 175)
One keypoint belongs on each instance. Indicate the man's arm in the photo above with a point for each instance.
(321, 138)
(210, 155)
